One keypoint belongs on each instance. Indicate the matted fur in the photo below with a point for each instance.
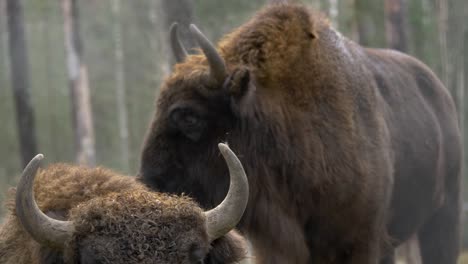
(117, 220)
(349, 150)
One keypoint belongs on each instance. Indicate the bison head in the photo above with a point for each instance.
(139, 226)
(203, 102)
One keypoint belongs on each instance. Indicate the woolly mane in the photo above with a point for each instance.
(270, 45)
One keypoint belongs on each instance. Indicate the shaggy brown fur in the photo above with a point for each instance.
(349, 151)
(117, 220)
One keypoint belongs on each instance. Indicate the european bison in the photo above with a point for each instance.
(97, 216)
(349, 150)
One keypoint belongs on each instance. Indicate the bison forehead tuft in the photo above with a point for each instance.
(152, 210)
(139, 225)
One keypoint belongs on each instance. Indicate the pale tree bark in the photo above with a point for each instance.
(54, 129)
(351, 22)
(3, 38)
(395, 25)
(3, 45)
(20, 83)
(442, 21)
(120, 86)
(79, 86)
(333, 12)
(370, 24)
(182, 12)
(461, 100)
(458, 50)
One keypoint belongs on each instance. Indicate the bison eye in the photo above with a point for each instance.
(189, 123)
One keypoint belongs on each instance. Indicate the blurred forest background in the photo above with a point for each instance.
(78, 79)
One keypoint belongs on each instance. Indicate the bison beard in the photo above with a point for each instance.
(349, 150)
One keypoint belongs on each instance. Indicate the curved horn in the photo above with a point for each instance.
(42, 228)
(216, 62)
(225, 216)
(177, 48)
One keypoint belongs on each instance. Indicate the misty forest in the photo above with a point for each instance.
(79, 79)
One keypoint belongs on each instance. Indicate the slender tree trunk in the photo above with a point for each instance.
(20, 81)
(362, 24)
(79, 87)
(333, 12)
(395, 25)
(120, 87)
(459, 49)
(54, 130)
(180, 11)
(442, 20)
(3, 44)
(352, 21)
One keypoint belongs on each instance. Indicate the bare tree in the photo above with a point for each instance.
(3, 46)
(180, 11)
(395, 25)
(333, 12)
(120, 86)
(79, 87)
(20, 81)
(442, 21)
(370, 26)
(351, 23)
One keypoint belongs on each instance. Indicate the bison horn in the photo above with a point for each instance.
(216, 62)
(42, 228)
(177, 48)
(225, 216)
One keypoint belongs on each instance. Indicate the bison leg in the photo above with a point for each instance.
(439, 238)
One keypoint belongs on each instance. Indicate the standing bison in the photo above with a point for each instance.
(96, 216)
(349, 151)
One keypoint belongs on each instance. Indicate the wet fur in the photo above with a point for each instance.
(349, 150)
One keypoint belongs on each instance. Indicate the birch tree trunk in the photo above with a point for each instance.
(3, 38)
(442, 19)
(350, 22)
(333, 12)
(395, 25)
(120, 86)
(79, 87)
(19, 69)
(3, 45)
(180, 11)
(370, 24)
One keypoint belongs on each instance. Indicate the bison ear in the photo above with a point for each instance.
(239, 86)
